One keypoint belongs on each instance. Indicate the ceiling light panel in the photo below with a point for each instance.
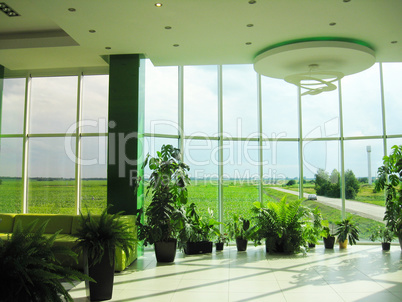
(8, 10)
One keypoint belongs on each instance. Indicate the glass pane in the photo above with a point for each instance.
(12, 107)
(362, 158)
(321, 115)
(241, 178)
(53, 105)
(201, 155)
(11, 184)
(361, 103)
(239, 101)
(281, 165)
(392, 73)
(51, 173)
(200, 100)
(279, 108)
(93, 174)
(161, 99)
(95, 104)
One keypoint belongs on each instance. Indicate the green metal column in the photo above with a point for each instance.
(125, 98)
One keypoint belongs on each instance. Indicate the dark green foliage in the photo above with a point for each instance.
(382, 233)
(240, 228)
(291, 182)
(104, 233)
(164, 217)
(281, 224)
(347, 229)
(330, 186)
(390, 178)
(29, 270)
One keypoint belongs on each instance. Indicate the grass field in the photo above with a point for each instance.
(58, 196)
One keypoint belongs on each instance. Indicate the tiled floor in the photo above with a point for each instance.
(360, 273)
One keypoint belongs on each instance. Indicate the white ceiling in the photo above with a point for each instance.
(47, 36)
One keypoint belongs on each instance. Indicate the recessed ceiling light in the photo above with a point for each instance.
(158, 4)
(92, 31)
(8, 10)
(108, 47)
(332, 24)
(176, 45)
(168, 27)
(71, 9)
(252, 1)
(394, 42)
(250, 25)
(248, 43)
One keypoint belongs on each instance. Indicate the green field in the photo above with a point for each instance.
(58, 196)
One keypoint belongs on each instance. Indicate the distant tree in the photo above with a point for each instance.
(321, 182)
(363, 180)
(352, 185)
(335, 176)
(291, 182)
(1, 181)
(330, 185)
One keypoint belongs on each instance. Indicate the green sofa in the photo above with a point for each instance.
(68, 225)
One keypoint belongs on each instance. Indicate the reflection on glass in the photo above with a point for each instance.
(51, 173)
(279, 108)
(361, 103)
(95, 103)
(11, 184)
(53, 105)
(93, 174)
(161, 99)
(239, 101)
(200, 100)
(362, 159)
(392, 73)
(12, 106)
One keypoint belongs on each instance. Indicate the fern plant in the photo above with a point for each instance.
(29, 268)
(281, 225)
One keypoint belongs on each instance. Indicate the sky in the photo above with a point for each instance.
(53, 112)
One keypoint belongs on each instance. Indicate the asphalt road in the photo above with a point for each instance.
(355, 207)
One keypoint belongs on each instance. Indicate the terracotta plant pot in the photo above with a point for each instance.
(343, 244)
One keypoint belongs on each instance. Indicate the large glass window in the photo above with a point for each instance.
(392, 94)
(12, 106)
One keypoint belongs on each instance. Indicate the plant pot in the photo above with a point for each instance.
(386, 246)
(165, 251)
(103, 273)
(343, 244)
(219, 246)
(241, 244)
(311, 245)
(201, 247)
(329, 242)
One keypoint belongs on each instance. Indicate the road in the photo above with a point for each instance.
(355, 207)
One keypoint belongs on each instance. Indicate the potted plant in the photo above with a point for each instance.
(98, 237)
(29, 269)
(281, 225)
(240, 230)
(221, 239)
(164, 217)
(347, 231)
(312, 228)
(327, 234)
(197, 231)
(384, 234)
(390, 179)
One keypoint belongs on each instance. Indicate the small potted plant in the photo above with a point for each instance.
(327, 234)
(313, 228)
(221, 239)
(240, 230)
(98, 237)
(384, 234)
(347, 231)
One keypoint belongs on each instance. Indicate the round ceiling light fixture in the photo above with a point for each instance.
(314, 65)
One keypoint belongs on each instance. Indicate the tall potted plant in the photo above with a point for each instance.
(164, 217)
(98, 237)
(390, 179)
(240, 230)
(384, 234)
(29, 270)
(327, 234)
(347, 231)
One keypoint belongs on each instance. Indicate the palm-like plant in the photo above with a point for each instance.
(347, 230)
(29, 269)
(281, 224)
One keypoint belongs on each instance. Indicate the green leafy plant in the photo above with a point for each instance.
(240, 228)
(313, 227)
(281, 225)
(347, 230)
(29, 268)
(390, 179)
(327, 229)
(382, 233)
(164, 217)
(96, 235)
